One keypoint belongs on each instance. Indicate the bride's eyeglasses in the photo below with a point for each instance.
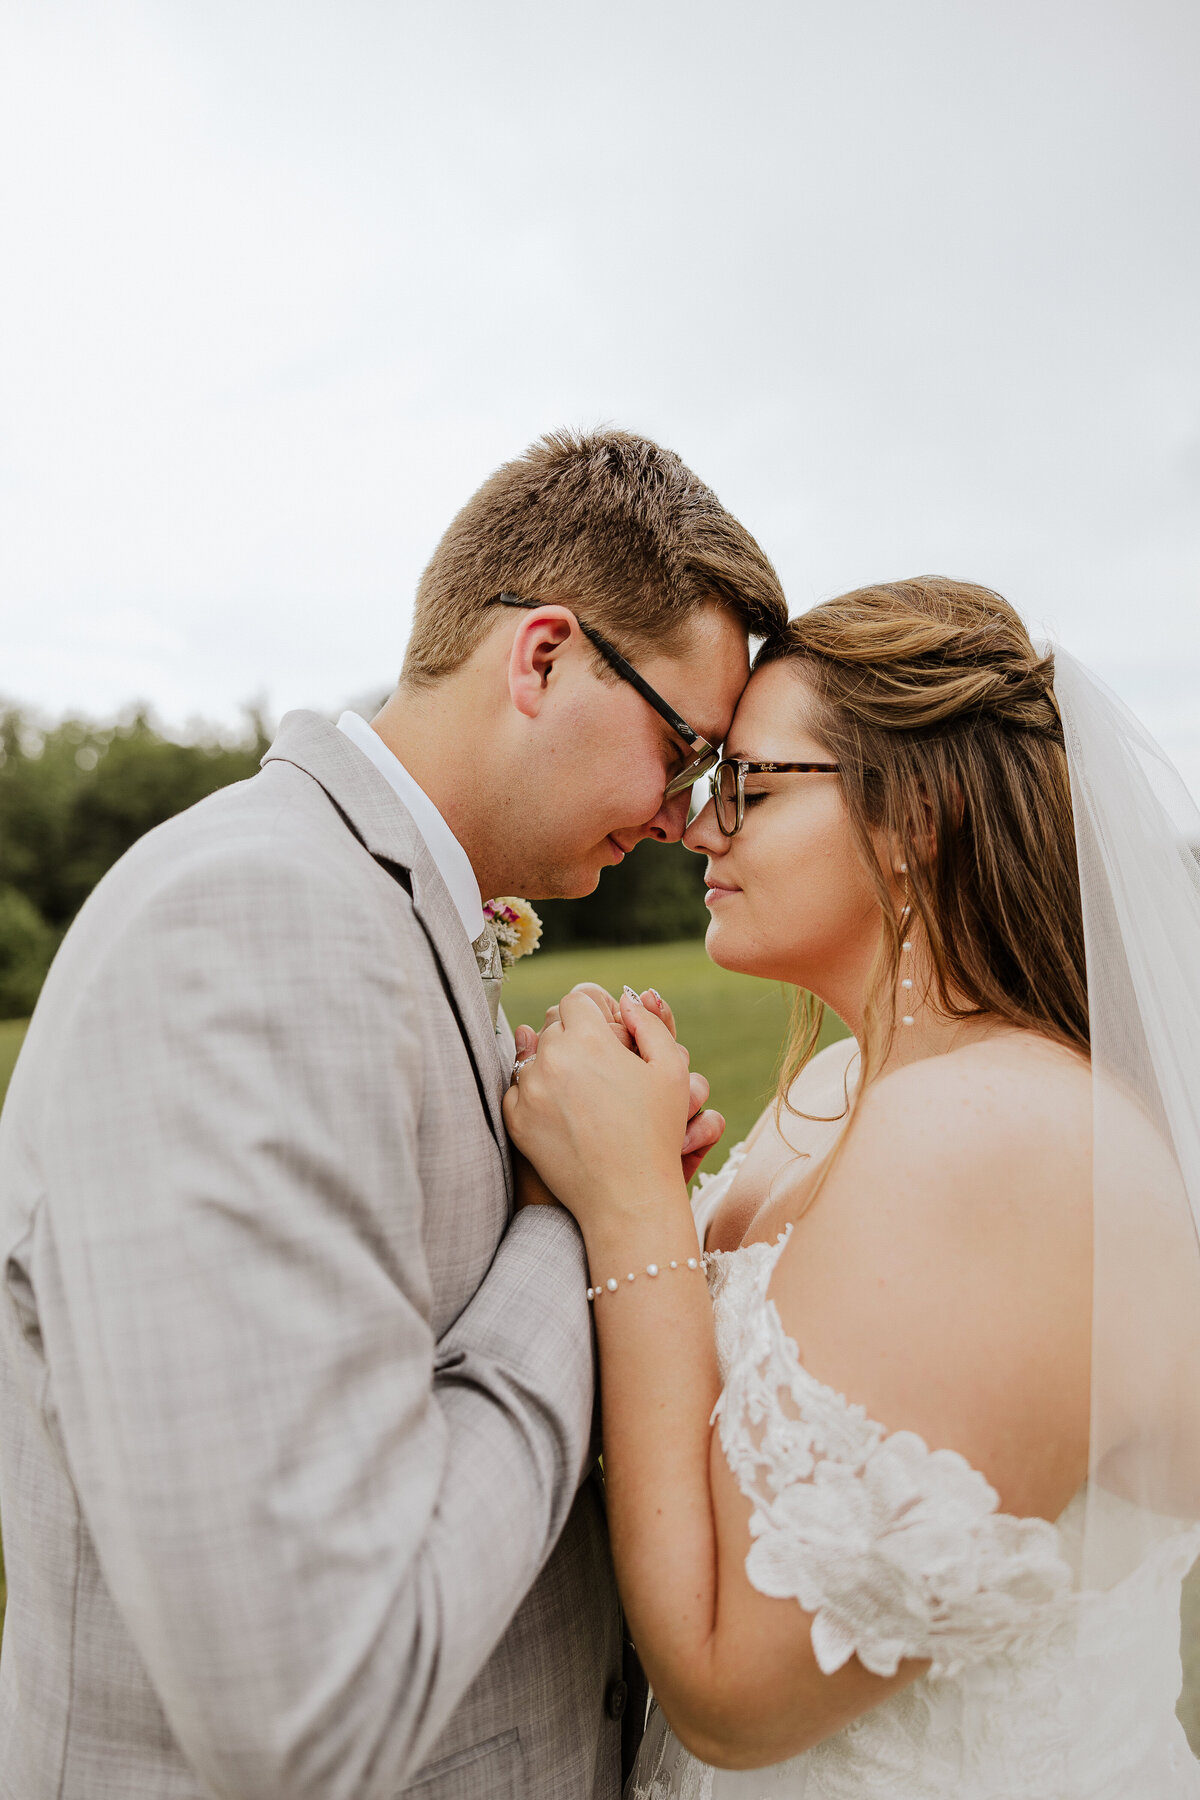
(704, 755)
(728, 786)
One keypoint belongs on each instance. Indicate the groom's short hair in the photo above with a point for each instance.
(613, 526)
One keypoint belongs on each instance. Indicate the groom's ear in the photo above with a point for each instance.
(539, 643)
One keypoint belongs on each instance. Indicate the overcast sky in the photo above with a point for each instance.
(913, 286)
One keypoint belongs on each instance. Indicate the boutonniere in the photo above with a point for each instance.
(518, 928)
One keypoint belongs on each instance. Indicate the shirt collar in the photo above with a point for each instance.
(453, 864)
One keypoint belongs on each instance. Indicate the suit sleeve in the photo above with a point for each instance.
(316, 1521)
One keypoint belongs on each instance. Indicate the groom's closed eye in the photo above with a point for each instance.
(677, 754)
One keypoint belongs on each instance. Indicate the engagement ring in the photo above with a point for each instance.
(521, 1063)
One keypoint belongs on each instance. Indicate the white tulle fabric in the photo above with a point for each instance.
(1137, 832)
(1036, 1687)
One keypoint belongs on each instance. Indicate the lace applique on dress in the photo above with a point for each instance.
(897, 1550)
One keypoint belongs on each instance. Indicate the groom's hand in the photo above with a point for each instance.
(704, 1127)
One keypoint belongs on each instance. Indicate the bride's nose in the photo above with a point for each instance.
(704, 836)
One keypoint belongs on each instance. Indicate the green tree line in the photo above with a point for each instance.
(75, 794)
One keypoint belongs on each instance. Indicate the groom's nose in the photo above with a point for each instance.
(670, 821)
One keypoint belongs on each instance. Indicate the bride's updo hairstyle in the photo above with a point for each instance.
(942, 716)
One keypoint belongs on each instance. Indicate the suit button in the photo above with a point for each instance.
(615, 1697)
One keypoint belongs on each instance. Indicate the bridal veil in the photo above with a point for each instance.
(1137, 833)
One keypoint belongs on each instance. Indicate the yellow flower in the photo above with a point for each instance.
(518, 928)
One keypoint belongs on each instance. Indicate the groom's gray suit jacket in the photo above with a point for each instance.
(294, 1423)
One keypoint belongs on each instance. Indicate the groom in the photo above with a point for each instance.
(294, 1413)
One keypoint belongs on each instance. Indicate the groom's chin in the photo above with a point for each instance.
(578, 885)
(566, 884)
(569, 875)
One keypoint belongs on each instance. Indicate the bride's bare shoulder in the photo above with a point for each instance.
(1013, 1112)
(945, 1264)
(1013, 1069)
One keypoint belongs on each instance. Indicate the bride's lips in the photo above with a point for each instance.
(715, 892)
(617, 849)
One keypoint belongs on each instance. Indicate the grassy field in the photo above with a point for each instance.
(734, 1027)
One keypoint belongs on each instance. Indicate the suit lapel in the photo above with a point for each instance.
(439, 920)
(384, 826)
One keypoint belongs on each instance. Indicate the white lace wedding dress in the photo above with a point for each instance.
(1038, 1690)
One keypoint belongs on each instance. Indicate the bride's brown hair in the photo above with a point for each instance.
(942, 715)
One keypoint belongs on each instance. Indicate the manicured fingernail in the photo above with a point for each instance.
(657, 996)
(636, 998)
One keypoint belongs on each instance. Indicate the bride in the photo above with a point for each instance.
(900, 1422)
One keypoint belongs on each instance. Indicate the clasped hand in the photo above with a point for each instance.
(607, 1103)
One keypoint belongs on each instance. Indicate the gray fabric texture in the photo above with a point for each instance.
(491, 972)
(295, 1464)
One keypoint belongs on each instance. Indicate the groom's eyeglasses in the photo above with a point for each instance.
(729, 786)
(704, 757)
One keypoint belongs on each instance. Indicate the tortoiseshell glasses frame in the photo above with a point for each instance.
(729, 786)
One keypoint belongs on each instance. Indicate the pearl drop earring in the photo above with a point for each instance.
(906, 944)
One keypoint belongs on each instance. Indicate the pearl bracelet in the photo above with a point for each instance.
(612, 1284)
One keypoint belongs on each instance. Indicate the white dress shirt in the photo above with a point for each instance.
(453, 864)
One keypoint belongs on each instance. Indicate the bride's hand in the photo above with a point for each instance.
(600, 1126)
(705, 1126)
(608, 1005)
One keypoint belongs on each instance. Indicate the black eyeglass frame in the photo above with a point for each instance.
(741, 769)
(705, 756)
